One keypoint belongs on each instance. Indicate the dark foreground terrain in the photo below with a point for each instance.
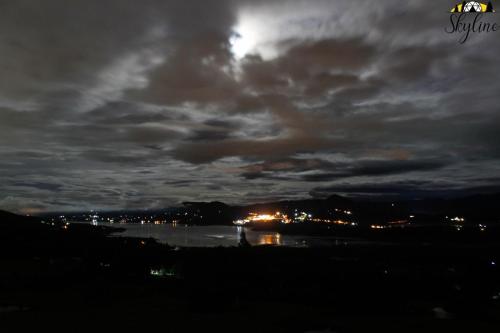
(77, 279)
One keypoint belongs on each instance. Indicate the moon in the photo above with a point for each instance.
(242, 43)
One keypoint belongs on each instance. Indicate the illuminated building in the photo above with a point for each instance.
(263, 218)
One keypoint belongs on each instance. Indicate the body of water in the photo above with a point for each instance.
(218, 235)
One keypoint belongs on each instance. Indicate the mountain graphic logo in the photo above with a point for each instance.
(473, 7)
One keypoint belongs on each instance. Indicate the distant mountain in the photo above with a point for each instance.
(7, 218)
(15, 228)
(484, 208)
(474, 208)
(209, 213)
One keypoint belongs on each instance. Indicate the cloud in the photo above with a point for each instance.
(317, 170)
(50, 187)
(110, 104)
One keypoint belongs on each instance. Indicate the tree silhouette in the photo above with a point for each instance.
(463, 6)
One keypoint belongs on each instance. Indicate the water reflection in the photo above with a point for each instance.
(183, 235)
(270, 239)
(205, 235)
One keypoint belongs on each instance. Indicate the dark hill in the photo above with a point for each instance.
(7, 217)
(476, 208)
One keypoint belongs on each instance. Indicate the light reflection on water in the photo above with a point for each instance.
(182, 235)
(270, 239)
(211, 236)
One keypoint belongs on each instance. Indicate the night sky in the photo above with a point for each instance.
(112, 104)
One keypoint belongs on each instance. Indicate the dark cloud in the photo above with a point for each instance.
(211, 151)
(209, 135)
(111, 104)
(324, 171)
(402, 189)
(39, 185)
(396, 188)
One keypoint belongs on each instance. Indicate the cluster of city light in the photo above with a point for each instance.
(339, 222)
(93, 217)
(378, 226)
(347, 212)
(298, 217)
(161, 272)
(392, 224)
(264, 218)
(458, 222)
(398, 222)
(301, 217)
